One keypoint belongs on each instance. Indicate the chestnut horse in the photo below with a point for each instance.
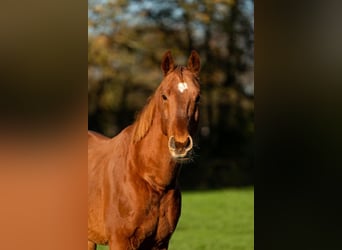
(134, 200)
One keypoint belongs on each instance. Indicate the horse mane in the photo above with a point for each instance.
(144, 120)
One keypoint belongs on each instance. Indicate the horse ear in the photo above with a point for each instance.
(167, 64)
(194, 62)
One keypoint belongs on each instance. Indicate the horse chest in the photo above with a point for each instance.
(167, 222)
(158, 223)
(164, 221)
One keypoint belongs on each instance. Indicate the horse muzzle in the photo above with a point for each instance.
(180, 149)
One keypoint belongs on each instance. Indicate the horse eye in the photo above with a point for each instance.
(164, 97)
(197, 99)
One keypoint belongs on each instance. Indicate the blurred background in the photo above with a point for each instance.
(126, 41)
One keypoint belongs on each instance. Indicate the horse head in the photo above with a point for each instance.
(178, 98)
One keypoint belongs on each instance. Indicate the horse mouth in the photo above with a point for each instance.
(181, 157)
(183, 160)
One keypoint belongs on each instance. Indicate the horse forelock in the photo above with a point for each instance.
(181, 71)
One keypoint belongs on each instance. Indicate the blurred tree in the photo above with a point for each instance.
(126, 41)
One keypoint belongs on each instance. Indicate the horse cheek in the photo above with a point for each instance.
(164, 120)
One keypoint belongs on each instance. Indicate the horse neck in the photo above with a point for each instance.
(152, 159)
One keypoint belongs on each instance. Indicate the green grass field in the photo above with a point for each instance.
(215, 220)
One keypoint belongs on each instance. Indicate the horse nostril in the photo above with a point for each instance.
(172, 142)
(189, 144)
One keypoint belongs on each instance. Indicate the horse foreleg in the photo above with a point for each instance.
(165, 246)
(91, 245)
(118, 243)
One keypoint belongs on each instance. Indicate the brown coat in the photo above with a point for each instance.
(134, 200)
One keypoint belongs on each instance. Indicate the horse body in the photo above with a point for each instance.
(153, 221)
(134, 200)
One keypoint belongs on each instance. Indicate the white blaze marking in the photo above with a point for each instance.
(182, 86)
